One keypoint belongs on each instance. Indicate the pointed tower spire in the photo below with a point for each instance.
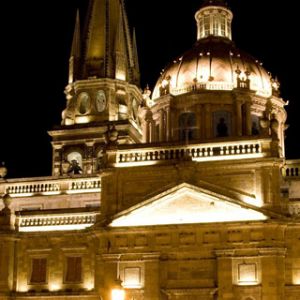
(120, 51)
(106, 29)
(75, 51)
(215, 3)
(136, 58)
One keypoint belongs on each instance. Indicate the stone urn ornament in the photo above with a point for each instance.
(7, 200)
(3, 170)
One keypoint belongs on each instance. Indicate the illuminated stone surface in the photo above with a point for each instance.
(205, 208)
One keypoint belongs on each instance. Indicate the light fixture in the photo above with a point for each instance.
(118, 292)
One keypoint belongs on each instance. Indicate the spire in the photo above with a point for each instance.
(214, 3)
(75, 51)
(135, 58)
(212, 21)
(105, 30)
(120, 51)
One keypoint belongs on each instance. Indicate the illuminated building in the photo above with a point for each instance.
(183, 194)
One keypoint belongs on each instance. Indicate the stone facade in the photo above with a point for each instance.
(150, 190)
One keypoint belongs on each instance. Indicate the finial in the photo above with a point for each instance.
(3, 170)
(7, 201)
(214, 3)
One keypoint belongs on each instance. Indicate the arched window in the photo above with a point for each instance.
(255, 125)
(222, 123)
(187, 127)
(75, 161)
(84, 103)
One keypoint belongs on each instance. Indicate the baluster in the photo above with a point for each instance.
(243, 149)
(232, 150)
(248, 148)
(259, 148)
(222, 150)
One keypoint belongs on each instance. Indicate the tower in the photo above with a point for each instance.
(103, 95)
(202, 210)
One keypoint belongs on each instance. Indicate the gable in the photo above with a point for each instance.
(186, 204)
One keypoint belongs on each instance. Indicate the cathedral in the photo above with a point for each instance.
(179, 191)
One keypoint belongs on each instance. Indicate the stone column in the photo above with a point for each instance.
(239, 121)
(273, 273)
(168, 124)
(7, 257)
(161, 126)
(152, 132)
(106, 274)
(207, 124)
(225, 279)
(57, 160)
(248, 119)
(152, 280)
(7, 246)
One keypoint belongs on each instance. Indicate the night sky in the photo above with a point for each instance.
(36, 41)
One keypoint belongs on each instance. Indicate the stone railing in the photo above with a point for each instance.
(50, 186)
(291, 169)
(221, 86)
(85, 185)
(41, 188)
(196, 152)
(56, 222)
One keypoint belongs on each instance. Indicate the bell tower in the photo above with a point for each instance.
(103, 94)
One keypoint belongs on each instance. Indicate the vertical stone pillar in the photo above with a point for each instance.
(225, 280)
(152, 132)
(57, 160)
(273, 273)
(106, 274)
(168, 124)
(248, 119)
(147, 131)
(239, 121)
(271, 186)
(7, 246)
(208, 122)
(7, 257)
(162, 125)
(152, 280)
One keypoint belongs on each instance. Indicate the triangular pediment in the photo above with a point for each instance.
(187, 204)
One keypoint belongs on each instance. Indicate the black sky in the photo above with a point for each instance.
(35, 43)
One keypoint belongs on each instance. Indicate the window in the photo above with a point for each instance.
(132, 277)
(247, 273)
(207, 25)
(223, 26)
(187, 127)
(202, 31)
(73, 272)
(75, 161)
(222, 123)
(216, 22)
(123, 108)
(38, 271)
(229, 29)
(84, 103)
(255, 125)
